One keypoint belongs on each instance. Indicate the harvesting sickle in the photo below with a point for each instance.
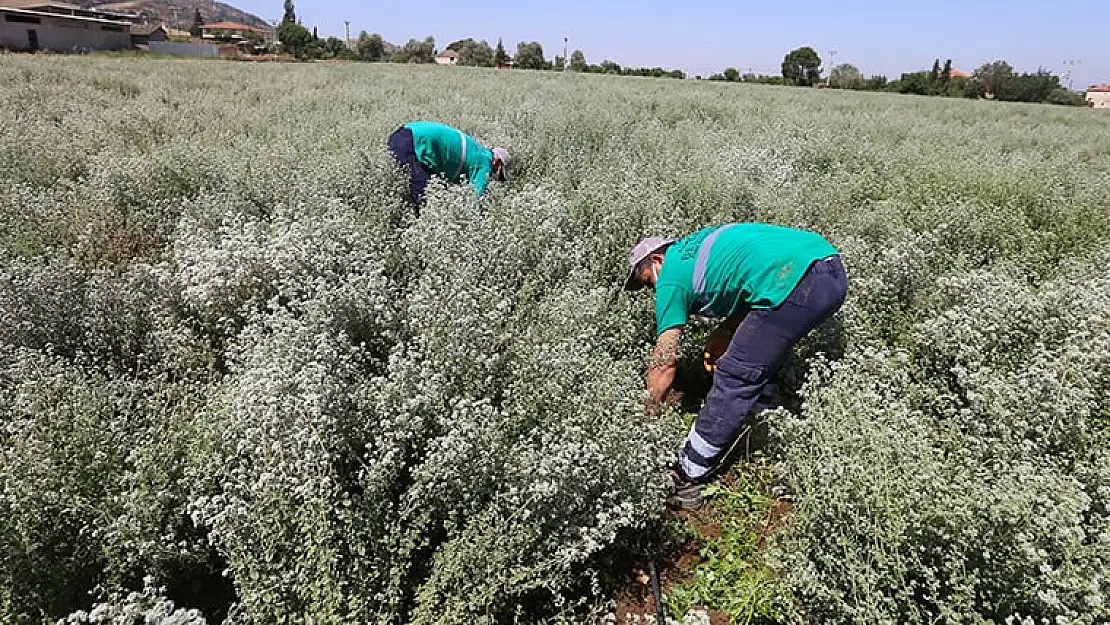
(770, 284)
(426, 149)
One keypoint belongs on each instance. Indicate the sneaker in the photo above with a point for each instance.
(684, 495)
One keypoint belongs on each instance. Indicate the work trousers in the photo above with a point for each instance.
(403, 150)
(762, 342)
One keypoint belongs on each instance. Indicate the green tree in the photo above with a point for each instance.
(957, 87)
(875, 83)
(529, 55)
(1064, 97)
(457, 45)
(946, 74)
(845, 76)
(499, 55)
(991, 80)
(254, 37)
(609, 67)
(578, 61)
(802, 67)
(295, 39)
(1035, 87)
(732, 74)
(335, 48)
(198, 21)
(290, 16)
(918, 83)
(416, 51)
(475, 54)
(370, 47)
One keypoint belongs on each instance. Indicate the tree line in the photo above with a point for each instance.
(801, 67)
(304, 44)
(996, 80)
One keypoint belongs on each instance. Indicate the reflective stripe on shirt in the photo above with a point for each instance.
(701, 301)
(462, 161)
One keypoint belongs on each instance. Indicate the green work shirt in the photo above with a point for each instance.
(451, 153)
(722, 270)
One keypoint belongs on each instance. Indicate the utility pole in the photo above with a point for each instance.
(347, 25)
(832, 64)
(566, 58)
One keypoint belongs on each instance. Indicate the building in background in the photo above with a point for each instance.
(1099, 96)
(231, 31)
(31, 25)
(447, 57)
(143, 34)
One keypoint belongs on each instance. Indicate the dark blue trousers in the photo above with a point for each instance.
(762, 342)
(401, 145)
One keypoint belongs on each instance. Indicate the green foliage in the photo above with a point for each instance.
(529, 55)
(198, 21)
(917, 83)
(578, 61)
(499, 55)
(1065, 97)
(416, 51)
(875, 83)
(846, 76)
(992, 80)
(802, 67)
(474, 53)
(295, 39)
(731, 577)
(335, 48)
(370, 47)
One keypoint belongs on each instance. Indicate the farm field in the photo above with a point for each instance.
(241, 383)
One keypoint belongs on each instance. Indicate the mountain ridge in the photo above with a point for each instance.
(179, 13)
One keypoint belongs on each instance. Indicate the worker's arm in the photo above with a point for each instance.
(479, 177)
(720, 338)
(661, 369)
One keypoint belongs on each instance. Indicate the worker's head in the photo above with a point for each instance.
(645, 262)
(502, 163)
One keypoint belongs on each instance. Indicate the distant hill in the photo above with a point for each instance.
(179, 13)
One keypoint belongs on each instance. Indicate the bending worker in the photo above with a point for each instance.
(431, 148)
(770, 284)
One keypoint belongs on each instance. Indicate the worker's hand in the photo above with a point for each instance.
(715, 346)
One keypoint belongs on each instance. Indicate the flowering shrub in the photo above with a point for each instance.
(241, 382)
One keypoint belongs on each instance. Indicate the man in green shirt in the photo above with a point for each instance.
(770, 284)
(431, 148)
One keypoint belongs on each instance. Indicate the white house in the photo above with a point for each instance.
(47, 28)
(447, 57)
(1099, 97)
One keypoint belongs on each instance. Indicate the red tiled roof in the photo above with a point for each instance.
(229, 26)
(957, 73)
(1100, 89)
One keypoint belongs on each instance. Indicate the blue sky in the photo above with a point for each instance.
(705, 37)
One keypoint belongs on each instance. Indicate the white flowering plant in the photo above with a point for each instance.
(242, 382)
